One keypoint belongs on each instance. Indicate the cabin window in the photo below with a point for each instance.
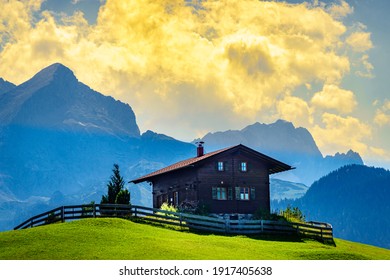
(245, 193)
(220, 166)
(244, 166)
(219, 193)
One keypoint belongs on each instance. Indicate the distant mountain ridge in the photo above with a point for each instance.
(283, 141)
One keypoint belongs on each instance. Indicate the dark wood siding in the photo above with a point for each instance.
(183, 182)
(196, 183)
(256, 177)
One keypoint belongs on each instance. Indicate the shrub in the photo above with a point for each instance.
(262, 214)
(166, 207)
(293, 214)
(123, 197)
(194, 207)
(87, 210)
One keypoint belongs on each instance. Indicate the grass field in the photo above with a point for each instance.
(119, 239)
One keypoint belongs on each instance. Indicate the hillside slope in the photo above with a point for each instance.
(124, 240)
(355, 200)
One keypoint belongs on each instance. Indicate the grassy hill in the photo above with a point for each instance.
(120, 239)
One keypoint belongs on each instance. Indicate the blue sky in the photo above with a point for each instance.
(322, 65)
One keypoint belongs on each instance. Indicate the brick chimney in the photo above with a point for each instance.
(199, 149)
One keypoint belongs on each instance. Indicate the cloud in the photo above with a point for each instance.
(200, 67)
(382, 115)
(366, 70)
(341, 134)
(340, 10)
(335, 98)
(16, 19)
(295, 110)
(360, 41)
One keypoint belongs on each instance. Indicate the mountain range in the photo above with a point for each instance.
(283, 141)
(59, 140)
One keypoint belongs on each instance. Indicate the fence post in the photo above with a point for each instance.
(322, 238)
(135, 211)
(31, 223)
(94, 210)
(227, 226)
(262, 225)
(180, 220)
(63, 214)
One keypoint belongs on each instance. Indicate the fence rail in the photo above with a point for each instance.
(316, 230)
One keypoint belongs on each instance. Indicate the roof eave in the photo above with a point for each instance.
(278, 170)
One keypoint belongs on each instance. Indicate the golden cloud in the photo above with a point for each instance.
(203, 65)
(341, 134)
(360, 41)
(295, 110)
(382, 115)
(340, 10)
(333, 97)
(366, 69)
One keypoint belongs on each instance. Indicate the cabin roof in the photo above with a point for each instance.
(275, 166)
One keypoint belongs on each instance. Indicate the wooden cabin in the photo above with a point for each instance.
(233, 180)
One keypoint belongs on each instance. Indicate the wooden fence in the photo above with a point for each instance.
(316, 230)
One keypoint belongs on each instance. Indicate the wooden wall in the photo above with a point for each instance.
(196, 183)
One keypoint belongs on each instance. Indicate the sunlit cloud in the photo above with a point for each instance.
(295, 110)
(382, 115)
(204, 66)
(333, 97)
(360, 41)
(340, 10)
(367, 68)
(341, 134)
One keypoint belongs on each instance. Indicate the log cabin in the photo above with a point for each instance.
(234, 180)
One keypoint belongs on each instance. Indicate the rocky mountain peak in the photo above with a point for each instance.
(5, 86)
(55, 99)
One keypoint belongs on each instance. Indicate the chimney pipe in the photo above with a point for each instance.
(199, 149)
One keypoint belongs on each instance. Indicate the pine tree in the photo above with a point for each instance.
(115, 189)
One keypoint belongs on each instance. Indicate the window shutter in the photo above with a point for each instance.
(253, 193)
(225, 166)
(237, 193)
(214, 192)
(230, 193)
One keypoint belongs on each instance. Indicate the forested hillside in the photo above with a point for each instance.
(354, 199)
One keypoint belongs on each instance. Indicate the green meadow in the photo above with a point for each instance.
(119, 239)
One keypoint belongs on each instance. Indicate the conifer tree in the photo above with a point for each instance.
(115, 189)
